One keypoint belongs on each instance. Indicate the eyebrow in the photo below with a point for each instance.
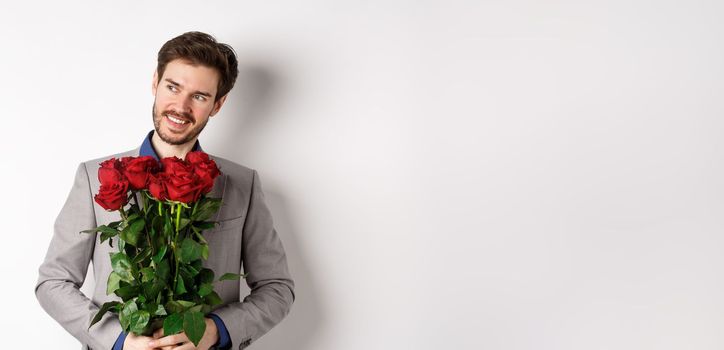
(204, 93)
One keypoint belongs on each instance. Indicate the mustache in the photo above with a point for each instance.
(185, 116)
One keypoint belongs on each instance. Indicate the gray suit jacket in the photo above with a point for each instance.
(245, 234)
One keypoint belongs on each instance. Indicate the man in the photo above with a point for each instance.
(192, 80)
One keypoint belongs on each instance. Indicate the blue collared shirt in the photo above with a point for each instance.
(224, 337)
(148, 150)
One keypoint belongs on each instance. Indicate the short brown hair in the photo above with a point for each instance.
(200, 48)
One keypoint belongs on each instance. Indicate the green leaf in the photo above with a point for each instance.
(160, 311)
(122, 266)
(173, 324)
(194, 326)
(205, 251)
(206, 209)
(163, 270)
(132, 232)
(128, 292)
(151, 289)
(157, 223)
(189, 270)
(213, 299)
(139, 321)
(196, 308)
(205, 289)
(199, 235)
(183, 222)
(143, 255)
(107, 232)
(105, 236)
(230, 276)
(161, 253)
(104, 308)
(125, 315)
(180, 288)
(114, 282)
(190, 250)
(186, 304)
(132, 217)
(206, 276)
(167, 226)
(148, 305)
(178, 306)
(102, 229)
(151, 307)
(204, 225)
(186, 275)
(147, 274)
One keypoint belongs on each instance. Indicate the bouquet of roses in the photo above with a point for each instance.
(158, 271)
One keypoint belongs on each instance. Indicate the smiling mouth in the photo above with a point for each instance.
(176, 120)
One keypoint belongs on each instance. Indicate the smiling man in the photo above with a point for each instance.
(185, 100)
(192, 80)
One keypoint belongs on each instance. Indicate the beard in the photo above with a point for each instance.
(176, 139)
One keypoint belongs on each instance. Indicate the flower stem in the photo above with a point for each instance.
(178, 216)
(122, 243)
(174, 246)
(143, 201)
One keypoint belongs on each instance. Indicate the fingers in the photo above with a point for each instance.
(169, 340)
(159, 334)
(137, 342)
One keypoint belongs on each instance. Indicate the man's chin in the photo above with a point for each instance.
(174, 140)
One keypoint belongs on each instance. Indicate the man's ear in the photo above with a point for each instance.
(217, 105)
(154, 83)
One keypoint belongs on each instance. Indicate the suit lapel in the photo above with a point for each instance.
(219, 184)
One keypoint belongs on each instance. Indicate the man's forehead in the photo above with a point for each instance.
(191, 76)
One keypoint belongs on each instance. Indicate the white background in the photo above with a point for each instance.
(443, 175)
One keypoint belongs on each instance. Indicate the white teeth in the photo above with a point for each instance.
(176, 120)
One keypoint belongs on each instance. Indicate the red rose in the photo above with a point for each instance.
(138, 169)
(110, 172)
(113, 193)
(111, 163)
(182, 184)
(157, 186)
(205, 168)
(113, 197)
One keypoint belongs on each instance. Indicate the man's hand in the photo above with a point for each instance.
(181, 341)
(137, 342)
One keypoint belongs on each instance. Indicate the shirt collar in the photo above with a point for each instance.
(147, 147)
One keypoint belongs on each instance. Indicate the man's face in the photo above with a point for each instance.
(184, 101)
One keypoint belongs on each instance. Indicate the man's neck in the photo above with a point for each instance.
(164, 149)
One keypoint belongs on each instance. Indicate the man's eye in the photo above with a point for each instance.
(171, 87)
(200, 98)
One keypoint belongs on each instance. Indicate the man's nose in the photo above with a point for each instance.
(184, 104)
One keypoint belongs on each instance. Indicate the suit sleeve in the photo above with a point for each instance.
(272, 287)
(64, 269)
